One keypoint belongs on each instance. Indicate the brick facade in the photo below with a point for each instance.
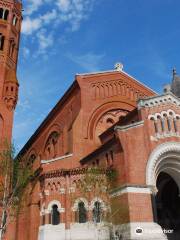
(10, 26)
(106, 120)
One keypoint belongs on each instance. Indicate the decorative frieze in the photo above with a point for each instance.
(72, 172)
(159, 100)
(5, 4)
(164, 135)
(165, 124)
(112, 88)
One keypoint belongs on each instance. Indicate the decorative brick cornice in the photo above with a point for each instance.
(164, 135)
(74, 171)
(106, 89)
(158, 100)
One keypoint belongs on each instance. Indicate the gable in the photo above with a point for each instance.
(103, 94)
(113, 83)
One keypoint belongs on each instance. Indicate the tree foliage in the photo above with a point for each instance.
(15, 175)
(97, 182)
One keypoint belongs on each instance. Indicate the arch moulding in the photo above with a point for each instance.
(55, 202)
(53, 128)
(102, 110)
(165, 157)
(77, 201)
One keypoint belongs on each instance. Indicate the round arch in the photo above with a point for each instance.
(55, 202)
(164, 158)
(77, 201)
(32, 152)
(53, 128)
(101, 110)
(51, 146)
(97, 199)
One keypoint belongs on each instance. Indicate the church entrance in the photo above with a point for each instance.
(168, 206)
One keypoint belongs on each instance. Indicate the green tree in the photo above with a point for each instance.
(15, 174)
(100, 182)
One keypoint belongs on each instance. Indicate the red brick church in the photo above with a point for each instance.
(106, 120)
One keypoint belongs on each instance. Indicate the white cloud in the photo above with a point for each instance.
(25, 52)
(74, 11)
(32, 6)
(24, 105)
(64, 5)
(65, 10)
(67, 14)
(45, 40)
(49, 16)
(30, 25)
(89, 61)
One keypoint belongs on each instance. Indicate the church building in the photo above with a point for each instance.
(105, 120)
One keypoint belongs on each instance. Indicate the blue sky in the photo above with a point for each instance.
(64, 37)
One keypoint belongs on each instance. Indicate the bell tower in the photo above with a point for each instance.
(10, 27)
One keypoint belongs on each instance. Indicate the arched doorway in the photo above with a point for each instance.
(163, 177)
(168, 205)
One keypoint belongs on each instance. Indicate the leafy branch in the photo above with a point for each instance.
(15, 175)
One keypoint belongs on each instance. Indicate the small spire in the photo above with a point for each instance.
(174, 72)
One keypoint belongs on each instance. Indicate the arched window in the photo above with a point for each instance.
(1, 13)
(1, 42)
(155, 126)
(31, 160)
(12, 49)
(55, 216)
(51, 145)
(11, 46)
(14, 21)
(82, 214)
(97, 212)
(112, 157)
(6, 14)
(175, 124)
(107, 159)
(70, 140)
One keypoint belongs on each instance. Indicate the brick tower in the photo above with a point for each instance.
(10, 26)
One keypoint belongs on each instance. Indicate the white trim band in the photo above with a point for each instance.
(127, 127)
(122, 191)
(153, 101)
(56, 159)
